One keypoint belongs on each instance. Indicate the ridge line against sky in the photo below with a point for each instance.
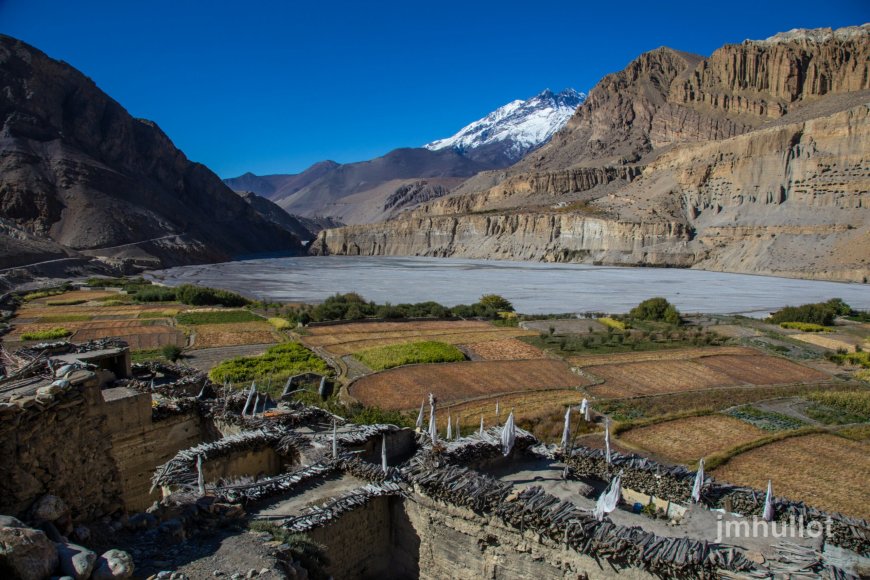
(273, 87)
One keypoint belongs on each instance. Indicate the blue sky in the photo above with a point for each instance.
(272, 87)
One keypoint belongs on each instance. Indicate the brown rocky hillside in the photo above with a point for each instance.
(81, 177)
(756, 159)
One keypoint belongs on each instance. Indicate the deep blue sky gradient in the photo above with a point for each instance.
(272, 87)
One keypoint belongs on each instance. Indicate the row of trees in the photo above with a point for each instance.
(352, 306)
(822, 313)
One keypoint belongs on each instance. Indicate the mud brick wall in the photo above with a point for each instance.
(58, 444)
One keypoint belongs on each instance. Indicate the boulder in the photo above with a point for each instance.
(26, 553)
(75, 560)
(49, 508)
(10, 522)
(113, 564)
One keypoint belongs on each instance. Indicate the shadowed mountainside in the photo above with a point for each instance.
(79, 176)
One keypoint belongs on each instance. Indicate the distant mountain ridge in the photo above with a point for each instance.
(506, 135)
(368, 191)
(81, 178)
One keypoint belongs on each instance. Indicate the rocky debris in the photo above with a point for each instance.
(27, 554)
(113, 565)
(75, 561)
(49, 508)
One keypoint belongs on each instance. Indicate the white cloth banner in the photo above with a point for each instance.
(609, 499)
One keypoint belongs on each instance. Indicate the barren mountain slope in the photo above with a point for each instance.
(80, 174)
(756, 159)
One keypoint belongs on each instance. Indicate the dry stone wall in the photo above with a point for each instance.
(59, 444)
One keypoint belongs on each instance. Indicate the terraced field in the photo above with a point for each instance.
(235, 334)
(654, 378)
(507, 349)
(452, 383)
(825, 471)
(655, 373)
(689, 439)
(342, 339)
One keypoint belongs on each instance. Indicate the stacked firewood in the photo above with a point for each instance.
(318, 516)
(270, 486)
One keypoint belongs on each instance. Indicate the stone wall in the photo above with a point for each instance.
(140, 444)
(251, 463)
(421, 538)
(59, 444)
(359, 544)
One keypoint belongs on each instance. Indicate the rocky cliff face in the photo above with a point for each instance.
(77, 171)
(753, 160)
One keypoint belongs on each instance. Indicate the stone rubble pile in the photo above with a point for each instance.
(42, 551)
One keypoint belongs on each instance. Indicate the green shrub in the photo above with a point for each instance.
(217, 317)
(202, 296)
(394, 355)
(278, 364)
(821, 313)
(155, 294)
(496, 302)
(612, 323)
(280, 323)
(51, 334)
(171, 352)
(657, 309)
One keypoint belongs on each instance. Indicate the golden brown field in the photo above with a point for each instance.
(658, 355)
(654, 378)
(405, 387)
(506, 349)
(342, 339)
(525, 405)
(758, 369)
(825, 471)
(234, 334)
(659, 372)
(689, 439)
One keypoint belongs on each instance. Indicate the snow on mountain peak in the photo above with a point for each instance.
(517, 127)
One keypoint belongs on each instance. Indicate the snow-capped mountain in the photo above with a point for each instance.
(508, 133)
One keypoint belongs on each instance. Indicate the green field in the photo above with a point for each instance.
(217, 317)
(51, 334)
(276, 365)
(394, 355)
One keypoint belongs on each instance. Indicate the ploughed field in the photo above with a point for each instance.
(506, 349)
(405, 387)
(689, 439)
(823, 470)
(653, 373)
(343, 339)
